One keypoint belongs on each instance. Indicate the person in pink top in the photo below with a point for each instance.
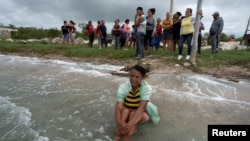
(127, 30)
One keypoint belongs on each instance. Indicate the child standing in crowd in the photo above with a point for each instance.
(65, 33)
(91, 33)
(149, 30)
(176, 30)
(72, 34)
(167, 25)
(157, 35)
(116, 32)
(133, 37)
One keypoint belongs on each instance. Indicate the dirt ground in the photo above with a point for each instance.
(159, 66)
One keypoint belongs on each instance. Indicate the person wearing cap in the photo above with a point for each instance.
(140, 26)
(215, 31)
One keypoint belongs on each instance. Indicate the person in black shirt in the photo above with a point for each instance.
(65, 32)
(103, 29)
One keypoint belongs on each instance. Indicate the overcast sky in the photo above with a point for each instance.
(51, 13)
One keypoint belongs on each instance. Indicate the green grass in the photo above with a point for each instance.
(206, 59)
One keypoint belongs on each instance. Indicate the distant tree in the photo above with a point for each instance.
(83, 27)
(53, 32)
(224, 37)
(12, 26)
(1, 25)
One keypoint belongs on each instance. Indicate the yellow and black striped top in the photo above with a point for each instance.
(133, 99)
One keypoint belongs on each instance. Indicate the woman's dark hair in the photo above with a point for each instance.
(90, 22)
(190, 9)
(72, 22)
(127, 21)
(98, 22)
(178, 13)
(140, 69)
(139, 8)
(152, 10)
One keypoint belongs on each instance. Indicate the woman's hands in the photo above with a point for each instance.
(123, 129)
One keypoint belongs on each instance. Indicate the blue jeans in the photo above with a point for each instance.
(185, 37)
(140, 45)
(214, 43)
(156, 41)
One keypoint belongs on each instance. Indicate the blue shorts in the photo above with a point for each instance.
(65, 36)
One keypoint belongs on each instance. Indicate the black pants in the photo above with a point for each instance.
(199, 43)
(91, 40)
(104, 41)
(148, 39)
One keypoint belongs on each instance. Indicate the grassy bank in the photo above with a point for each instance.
(225, 58)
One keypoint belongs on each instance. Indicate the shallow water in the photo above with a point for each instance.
(54, 100)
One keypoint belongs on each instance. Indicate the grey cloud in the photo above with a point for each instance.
(51, 13)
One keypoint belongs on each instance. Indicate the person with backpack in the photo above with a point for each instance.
(116, 33)
(91, 33)
(149, 31)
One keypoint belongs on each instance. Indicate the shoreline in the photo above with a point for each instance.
(157, 66)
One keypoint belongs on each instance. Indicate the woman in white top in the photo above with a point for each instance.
(140, 25)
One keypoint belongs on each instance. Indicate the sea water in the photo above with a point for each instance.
(53, 100)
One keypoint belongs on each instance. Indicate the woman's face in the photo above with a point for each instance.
(139, 12)
(135, 78)
(167, 15)
(150, 13)
(188, 13)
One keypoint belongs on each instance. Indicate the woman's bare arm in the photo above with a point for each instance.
(138, 113)
(138, 22)
(118, 110)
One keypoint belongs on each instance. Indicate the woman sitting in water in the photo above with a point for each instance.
(133, 106)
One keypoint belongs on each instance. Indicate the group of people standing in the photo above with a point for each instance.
(100, 31)
(68, 32)
(147, 33)
(173, 30)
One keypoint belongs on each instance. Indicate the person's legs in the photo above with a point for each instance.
(199, 43)
(213, 44)
(99, 41)
(158, 41)
(217, 43)
(141, 45)
(144, 119)
(182, 40)
(91, 40)
(189, 42)
(137, 45)
(116, 42)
